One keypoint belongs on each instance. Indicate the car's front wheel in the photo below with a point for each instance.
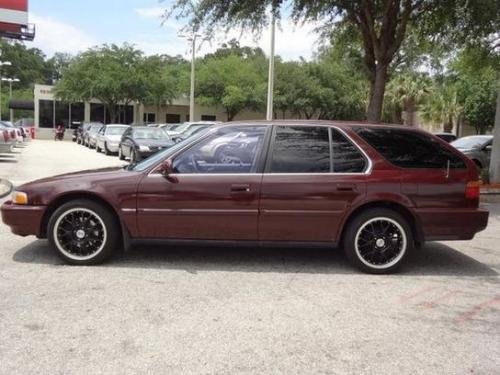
(83, 232)
(120, 153)
(106, 150)
(378, 240)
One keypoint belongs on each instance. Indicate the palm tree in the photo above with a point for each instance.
(407, 92)
(443, 107)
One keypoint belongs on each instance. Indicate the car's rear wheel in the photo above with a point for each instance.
(83, 232)
(378, 240)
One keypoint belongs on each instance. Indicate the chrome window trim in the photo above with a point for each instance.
(367, 171)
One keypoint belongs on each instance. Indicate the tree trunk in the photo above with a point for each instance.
(495, 152)
(377, 91)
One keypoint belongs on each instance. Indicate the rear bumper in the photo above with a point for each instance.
(459, 224)
(22, 220)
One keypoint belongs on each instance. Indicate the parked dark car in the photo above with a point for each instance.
(377, 191)
(139, 142)
(448, 137)
(477, 148)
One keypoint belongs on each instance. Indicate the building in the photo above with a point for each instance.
(50, 112)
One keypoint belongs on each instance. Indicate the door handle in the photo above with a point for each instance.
(240, 188)
(346, 187)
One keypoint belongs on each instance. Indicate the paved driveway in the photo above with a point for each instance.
(241, 310)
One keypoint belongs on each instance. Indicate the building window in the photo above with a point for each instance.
(173, 118)
(77, 113)
(208, 118)
(149, 118)
(62, 114)
(46, 113)
(97, 112)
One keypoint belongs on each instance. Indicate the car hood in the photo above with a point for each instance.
(155, 142)
(96, 174)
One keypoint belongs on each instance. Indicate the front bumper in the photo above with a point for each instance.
(112, 147)
(23, 220)
(459, 224)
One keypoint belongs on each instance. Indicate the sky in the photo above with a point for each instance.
(75, 25)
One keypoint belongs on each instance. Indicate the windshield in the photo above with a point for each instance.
(150, 133)
(161, 155)
(118, 130)
(470, 142)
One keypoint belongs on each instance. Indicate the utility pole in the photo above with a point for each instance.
(2, 63)
(495, 151)
(10, 80)
(270, 79)
(192, 38)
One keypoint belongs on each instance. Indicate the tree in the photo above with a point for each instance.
(406, 92)
(163, 79)
(442, 106)
(231, 82)
(109, 73)
(381, 24)
(495, 152)
(57, 64)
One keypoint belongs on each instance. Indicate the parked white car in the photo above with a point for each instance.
(108, 138)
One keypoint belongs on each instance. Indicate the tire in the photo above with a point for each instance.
(106, 151)
(120, 154)
(97, 149)
(101, 223)
(378, 241)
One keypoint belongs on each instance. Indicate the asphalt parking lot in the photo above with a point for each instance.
(211, 310)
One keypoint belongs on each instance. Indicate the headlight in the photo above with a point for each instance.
(19, 197)
(143, 148)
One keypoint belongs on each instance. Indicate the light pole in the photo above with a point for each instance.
(2, 63)
(10, 80)
(270, 79)
(192, 38)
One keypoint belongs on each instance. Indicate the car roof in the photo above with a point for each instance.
(117, 125)
(339, 124)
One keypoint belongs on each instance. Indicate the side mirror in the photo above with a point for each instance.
(488, 148)
(167, 171)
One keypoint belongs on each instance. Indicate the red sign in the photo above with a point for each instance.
(21, 5)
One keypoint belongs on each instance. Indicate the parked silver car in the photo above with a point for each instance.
(108, 138)
(477, 148)
(91, 135)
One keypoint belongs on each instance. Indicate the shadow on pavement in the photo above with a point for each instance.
(433, 259)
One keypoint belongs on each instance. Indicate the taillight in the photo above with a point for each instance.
(13, 134)
(472, 190)
(5, 136)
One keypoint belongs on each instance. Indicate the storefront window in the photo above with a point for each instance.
(46, 113)
(77, 113)
(96, 112)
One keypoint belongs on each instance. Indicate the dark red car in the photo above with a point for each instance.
(377, 191)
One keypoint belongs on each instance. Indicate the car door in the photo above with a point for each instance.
(127, 142)
(216, 191)
(100, 137)
(312, 175)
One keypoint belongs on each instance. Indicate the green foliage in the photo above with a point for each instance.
(109, 73)
(232, 82)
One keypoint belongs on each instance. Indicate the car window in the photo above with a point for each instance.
(150, 133)
(410, 149)
(346, 158)
(470, 142)
(229, 150)
(118, 130)
(300, 149)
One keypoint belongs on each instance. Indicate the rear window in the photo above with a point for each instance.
(410, 149)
